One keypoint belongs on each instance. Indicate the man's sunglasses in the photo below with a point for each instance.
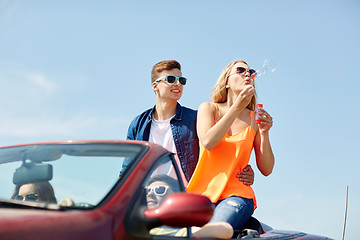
(241, 70)
(158, 190)
(28, 197)
(172, 79)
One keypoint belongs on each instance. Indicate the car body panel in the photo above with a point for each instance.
(45, 224)
(119, 211)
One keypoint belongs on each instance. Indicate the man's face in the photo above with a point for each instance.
(166, 90)
(156, 193)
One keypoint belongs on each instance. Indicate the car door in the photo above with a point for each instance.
(161, 181)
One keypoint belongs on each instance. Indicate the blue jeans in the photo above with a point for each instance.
(234, 210)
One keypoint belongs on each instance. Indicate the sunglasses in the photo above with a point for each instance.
(172, 79)
(28, 197)
(158, 190)
(241, 70)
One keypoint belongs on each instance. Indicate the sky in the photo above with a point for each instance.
(81, 70)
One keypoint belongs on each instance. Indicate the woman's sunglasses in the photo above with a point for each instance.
(240, 70)
(158, 190)
(172, 79)
(28, 197)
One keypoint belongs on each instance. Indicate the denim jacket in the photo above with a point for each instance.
(183, 126)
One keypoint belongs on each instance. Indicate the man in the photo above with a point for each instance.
(171, 125)
(161, 186)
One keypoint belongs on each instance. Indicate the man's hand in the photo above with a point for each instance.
(246, 176)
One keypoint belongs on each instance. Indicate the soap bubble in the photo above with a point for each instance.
(268, 66)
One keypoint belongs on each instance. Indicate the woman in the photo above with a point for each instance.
(36, 192)
(227, 135)
(161, 186)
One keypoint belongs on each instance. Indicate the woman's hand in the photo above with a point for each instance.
(245, 96)
(266, 121)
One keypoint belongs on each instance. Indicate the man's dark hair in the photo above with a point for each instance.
(162, 66)
(173, 184)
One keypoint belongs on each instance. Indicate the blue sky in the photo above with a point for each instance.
(81, 70)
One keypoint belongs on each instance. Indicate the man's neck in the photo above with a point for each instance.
(164, 110)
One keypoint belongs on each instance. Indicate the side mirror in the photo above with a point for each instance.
(32, 172)
(183, 210)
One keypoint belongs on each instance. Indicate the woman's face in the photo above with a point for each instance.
(237, 80)
(27, 192)
(156, 193)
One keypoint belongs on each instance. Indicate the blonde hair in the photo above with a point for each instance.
(220, 92)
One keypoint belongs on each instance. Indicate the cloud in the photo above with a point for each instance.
(36, 108)
(18, 86)
(40, 82)
(78, 126)
(7, 8)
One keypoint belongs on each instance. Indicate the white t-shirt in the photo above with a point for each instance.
(160, 133)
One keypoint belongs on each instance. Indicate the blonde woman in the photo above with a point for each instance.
(227, 135)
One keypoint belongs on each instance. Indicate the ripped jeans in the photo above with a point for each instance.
(234, 210)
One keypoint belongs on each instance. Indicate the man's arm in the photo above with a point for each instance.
(130, 136)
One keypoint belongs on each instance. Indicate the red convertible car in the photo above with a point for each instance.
(72, 190)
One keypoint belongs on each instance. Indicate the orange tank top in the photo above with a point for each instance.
(216, 170)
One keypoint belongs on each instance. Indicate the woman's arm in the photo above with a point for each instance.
(210, 134)
(221, 230)
(264, 156)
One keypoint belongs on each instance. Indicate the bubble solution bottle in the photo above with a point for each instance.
(257, 114)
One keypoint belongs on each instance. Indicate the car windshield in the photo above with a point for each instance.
(72, 174)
